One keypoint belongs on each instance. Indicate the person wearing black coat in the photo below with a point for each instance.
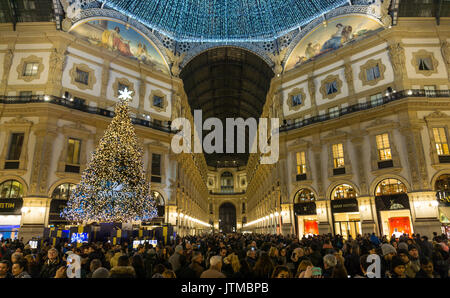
(52, 264)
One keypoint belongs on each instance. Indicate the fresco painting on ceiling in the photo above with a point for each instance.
(325, 38)
(122, 39)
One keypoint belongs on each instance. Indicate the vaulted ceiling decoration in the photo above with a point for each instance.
(224, 20)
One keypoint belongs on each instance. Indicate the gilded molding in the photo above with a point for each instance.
(368, 65)
(294, 92)
(422, 54)
(83, 67)
(123, 81)
(327, 80)
(23, 63)
(161, 94)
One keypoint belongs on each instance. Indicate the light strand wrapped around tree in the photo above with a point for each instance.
(113, 187)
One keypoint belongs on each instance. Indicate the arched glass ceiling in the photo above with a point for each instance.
(224, 20)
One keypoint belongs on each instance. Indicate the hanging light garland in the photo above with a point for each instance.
(224, 20)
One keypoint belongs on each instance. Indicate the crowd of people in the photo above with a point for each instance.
(233, 256)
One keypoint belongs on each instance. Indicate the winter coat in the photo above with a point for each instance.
(197, 268)
(422, 274)
(174, 260)
(114, 260)
(23, 274)
(50, 267)
(122, 272)
(211, 273)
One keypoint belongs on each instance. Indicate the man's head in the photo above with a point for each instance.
(4, 267)
(413, 252)
(404, 255)
(427, 265)
(141, 248)
(329, 261)
(18, 267)
(15, 257)
(197, 257)
(95, 264)
(388, 251)
(398, 266)
(52, 253)
(223, 252)
(179, 249)
(216, 263)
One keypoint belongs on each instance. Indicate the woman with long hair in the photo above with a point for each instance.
(264, 266)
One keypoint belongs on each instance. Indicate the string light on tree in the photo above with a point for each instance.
(113, 187)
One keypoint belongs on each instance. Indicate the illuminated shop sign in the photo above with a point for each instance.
(392, 202)
(308, 208)
(344, 205)
(11, 206)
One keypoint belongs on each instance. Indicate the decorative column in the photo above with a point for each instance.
(37, 204)
(445, 50)
(348, 72)
(7, 62)
(416, 156)
(56, 68)
(358, 147)
(142, 92)
(105, 80)
(412, 157)
(398, 58)
(367, 215)
(312, 94)
(323, 210)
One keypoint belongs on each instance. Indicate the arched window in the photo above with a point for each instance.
(11, 189)
(63, 191)
(390, 186)
(343, 191)
(442, 187)
(59, 201)
(160, 204)
(226, 182)
(304, 195)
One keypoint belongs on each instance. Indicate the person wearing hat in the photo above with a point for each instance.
(414, 258)
(404, 255)
(398, 268)
(403, 245)
(388, 252)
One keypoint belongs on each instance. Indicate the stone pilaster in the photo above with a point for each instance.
(41, 161)
(424, 209)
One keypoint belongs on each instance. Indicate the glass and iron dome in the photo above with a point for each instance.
(224, 20)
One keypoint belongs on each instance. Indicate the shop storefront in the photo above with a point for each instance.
(11, 202)
(393, 208)
(442, 187)
(345, 211)
(306, 223)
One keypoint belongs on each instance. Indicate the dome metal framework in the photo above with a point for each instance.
(224, 20)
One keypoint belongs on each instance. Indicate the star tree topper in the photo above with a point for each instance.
(125, 94)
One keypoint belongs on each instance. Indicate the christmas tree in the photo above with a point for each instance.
(113, 187)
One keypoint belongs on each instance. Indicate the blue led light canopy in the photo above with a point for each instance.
(224, 20)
